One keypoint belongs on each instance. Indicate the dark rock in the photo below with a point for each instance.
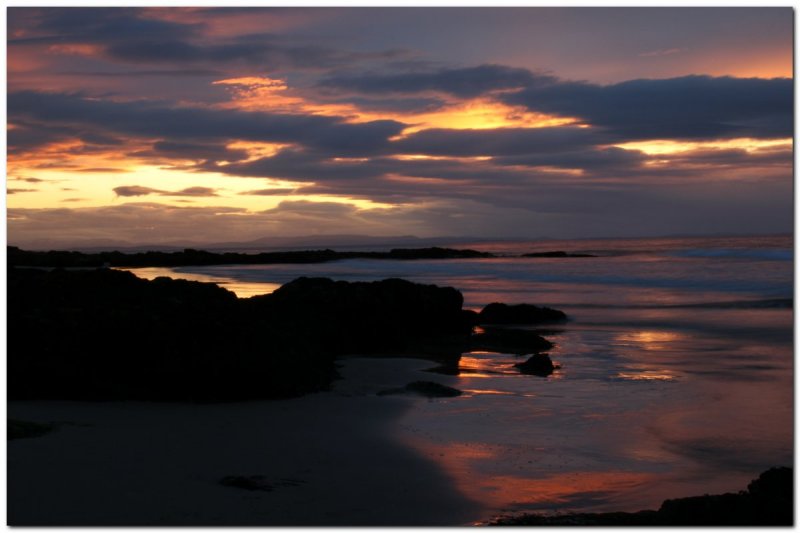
(497, 313)
(108, 335)
(432, 389)
(390, 316)
(556, 254)
(22, 429)
(506, 340)
(251, 483)
(469, 317)
(773, 496)
(538, 365)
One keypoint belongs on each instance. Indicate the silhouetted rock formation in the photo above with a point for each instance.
(497, 313)
(22, 429)
(189, 256)
(506, 340)
(538, 365)
(428, 389)
(432, 389)
(251, 483)
(106, 334)
(768, 501)
(556, 254)
(390, 316)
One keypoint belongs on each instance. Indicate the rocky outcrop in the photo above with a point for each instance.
(106, 334)
(429, 389)
(23, 429)
(538, 364)
(390, 316)
(498, 313)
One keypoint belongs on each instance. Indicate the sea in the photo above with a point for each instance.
(675, 378)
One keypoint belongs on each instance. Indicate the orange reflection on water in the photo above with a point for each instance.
(649, 339)
(559, 489)
(648, 375)
(491, 391)
(491, 364)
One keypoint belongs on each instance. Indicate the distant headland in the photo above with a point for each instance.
(193, 257)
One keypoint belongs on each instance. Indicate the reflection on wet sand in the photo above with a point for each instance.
(504, 483)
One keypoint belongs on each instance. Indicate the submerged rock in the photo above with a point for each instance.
(22, 429)
(251, 483)
(429, 389)
(432, 389)
(538, 364)
(506, 340)
(497, 313)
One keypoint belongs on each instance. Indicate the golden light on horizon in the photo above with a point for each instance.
(424, 157)
(261, 93)
(257, 150)
(176, 186)
(482, 113)
(668, 147)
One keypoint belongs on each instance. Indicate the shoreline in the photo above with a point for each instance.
(331, 457)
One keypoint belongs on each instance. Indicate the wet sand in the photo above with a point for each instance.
(331, 459)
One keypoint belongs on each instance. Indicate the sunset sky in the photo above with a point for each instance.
(207, 125)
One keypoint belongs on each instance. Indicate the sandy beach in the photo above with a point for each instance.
(330, 458)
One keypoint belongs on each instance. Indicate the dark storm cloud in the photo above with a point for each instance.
(138, 190)
(90, 25)
(781, 158)
(160, 120)
(690, 107)
(169, 73)
(277, 191)
(264, 54)
(135, 190)
(129, 35)
(192, 191)
(500, 142)
(591, 159)
(23, 138)
(178, 150)
(382, 177)
(461, 82)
